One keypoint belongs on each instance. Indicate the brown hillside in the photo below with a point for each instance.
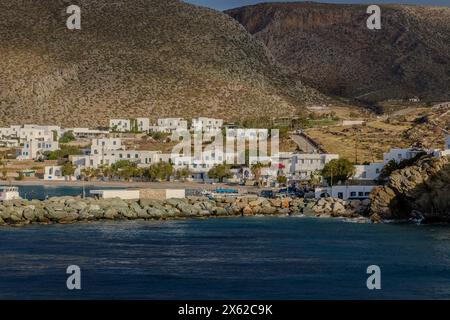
(135, 58)
(330, 48)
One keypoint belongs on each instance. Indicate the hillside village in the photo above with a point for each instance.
(70, 154)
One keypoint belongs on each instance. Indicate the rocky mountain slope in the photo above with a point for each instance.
(420, 191)
(135, 58)
(329, 47)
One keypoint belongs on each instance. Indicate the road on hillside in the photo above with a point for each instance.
(305, 144)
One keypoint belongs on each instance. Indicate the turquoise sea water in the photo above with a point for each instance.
(40, 192)
(233, 258)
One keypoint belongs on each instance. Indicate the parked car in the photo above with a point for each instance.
(270, 194)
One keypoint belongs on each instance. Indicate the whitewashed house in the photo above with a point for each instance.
(300, 166)
(398, 154)
(9, 143)
(30, 131)
(33, 149)
(347, 191)
(142, 124)
(168, 125)
(80, 133)
(55, 173)
(120, 125)
(108, 151)
(368, 172)
(210, 125)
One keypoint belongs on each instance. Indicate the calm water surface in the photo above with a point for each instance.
(236, 258)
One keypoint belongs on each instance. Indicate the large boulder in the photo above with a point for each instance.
(423, 187)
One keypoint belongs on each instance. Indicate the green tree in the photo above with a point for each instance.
(20, 176)
(256, 171)
(282, 179)
(338, 170)
(220, 172)
(315, 179)
(182, 174)
(89, 173)
(68, 169)
(67, 137)
(63, 153)
(159, 171)
(123, 169)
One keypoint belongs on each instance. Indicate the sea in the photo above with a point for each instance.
(228, 258)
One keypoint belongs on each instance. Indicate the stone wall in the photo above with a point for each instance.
(72, 209)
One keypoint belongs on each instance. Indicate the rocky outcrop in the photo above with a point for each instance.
(71, 209)
(420, 191)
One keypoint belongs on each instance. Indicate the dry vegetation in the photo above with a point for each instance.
(150, 58)
(329, 47)
(421, 127)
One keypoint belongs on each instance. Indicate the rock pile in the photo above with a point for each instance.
(73, 209)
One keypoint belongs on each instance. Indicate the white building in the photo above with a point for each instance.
(130, 125)
(142, 124)
(209, 125)
(368, 172)
(345, 192)
(30, 131)
(9, 143)
(8, 193)
(35, 148)
(100, 145)
(108, 151)
(54, 173)
(120, 125)
(80, 133)
(168, 125)
(300, 166)
(399, 155)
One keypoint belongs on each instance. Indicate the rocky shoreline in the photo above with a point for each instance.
(65, 210)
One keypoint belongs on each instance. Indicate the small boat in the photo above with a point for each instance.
(9, 193)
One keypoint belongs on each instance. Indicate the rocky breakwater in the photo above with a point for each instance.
(71, 209)
(419, 192)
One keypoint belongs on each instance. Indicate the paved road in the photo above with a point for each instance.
(304, 144)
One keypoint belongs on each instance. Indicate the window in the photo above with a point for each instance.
(367, 194)
(340, 195)
(360, 194)
(353, 194)
(377, 171)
